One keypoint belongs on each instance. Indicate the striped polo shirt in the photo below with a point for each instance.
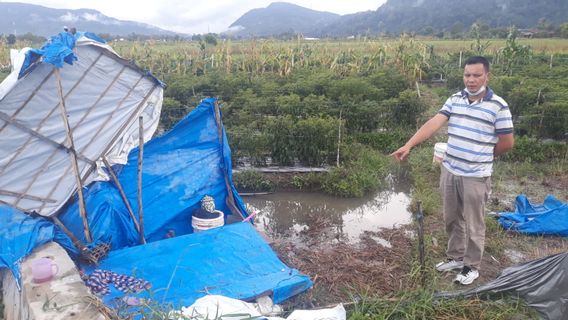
(473, 130)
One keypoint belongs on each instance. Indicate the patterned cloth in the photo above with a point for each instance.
(99, 281)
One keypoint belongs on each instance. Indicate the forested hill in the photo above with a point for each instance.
(395, 16)
(279, 18)
(420, 16)
(21, 18)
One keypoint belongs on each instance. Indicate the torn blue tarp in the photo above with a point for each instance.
(179, 168)
(21, 234)
(57, 51)
(548, 218)
(233, 261)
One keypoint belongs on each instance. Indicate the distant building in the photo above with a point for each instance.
(527, 33)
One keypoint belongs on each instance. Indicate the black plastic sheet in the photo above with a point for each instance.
(542, 284)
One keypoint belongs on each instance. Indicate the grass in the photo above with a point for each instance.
(422, 304)
(495, 242)
(425, 177)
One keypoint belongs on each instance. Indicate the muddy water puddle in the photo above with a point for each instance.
(293, 214)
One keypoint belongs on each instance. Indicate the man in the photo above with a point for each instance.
(479, 128)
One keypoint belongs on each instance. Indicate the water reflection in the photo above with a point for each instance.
(289, 213)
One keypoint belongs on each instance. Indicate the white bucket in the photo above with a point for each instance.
(439, 152)
(200, 224)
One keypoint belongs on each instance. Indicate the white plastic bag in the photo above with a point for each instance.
(337, 313)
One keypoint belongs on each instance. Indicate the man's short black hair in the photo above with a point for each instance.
(476, 60)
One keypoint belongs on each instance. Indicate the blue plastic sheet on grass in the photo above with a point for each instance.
(547, 218)
(233, 261)
(179, 168)
(21, 234)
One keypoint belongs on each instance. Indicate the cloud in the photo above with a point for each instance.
(91, 16)
(198, 18)
(69, 17)
(193, 16)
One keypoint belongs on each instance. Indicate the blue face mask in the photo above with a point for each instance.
(476, 92)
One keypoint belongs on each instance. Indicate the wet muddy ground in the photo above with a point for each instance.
(385, 261)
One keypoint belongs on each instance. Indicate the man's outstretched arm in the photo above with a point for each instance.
(425, 132)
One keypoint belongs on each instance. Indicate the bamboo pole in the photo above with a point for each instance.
(39, 126)
(94, 135)
(122, 194)
(26, 196)
(28, 99)
(35, 133)
(70, 234)
(17, 124)
(74, 164)
(124, 126)
(85, 253)
(140, 158)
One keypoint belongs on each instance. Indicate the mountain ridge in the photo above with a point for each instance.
(268, 21)
(20, 18)
(415, 16)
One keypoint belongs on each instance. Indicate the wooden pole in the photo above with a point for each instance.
(122, 194)
(339, 137)
(140, 157)
(26, 196)
(74, 164)
(421, 249)
(418, 89)
(542, 113)
(73, 238)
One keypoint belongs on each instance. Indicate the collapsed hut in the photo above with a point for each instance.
(78, 167)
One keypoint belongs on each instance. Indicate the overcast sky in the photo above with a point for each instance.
(197, 16)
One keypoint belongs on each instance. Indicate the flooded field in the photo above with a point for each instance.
(290, 214)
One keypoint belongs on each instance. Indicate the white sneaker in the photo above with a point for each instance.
(449, 265)
(466, 276)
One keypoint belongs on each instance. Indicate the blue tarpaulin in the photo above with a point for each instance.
(21, 234)
(232, 261)
(179, 168)
(57, 51)
(548, 218)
